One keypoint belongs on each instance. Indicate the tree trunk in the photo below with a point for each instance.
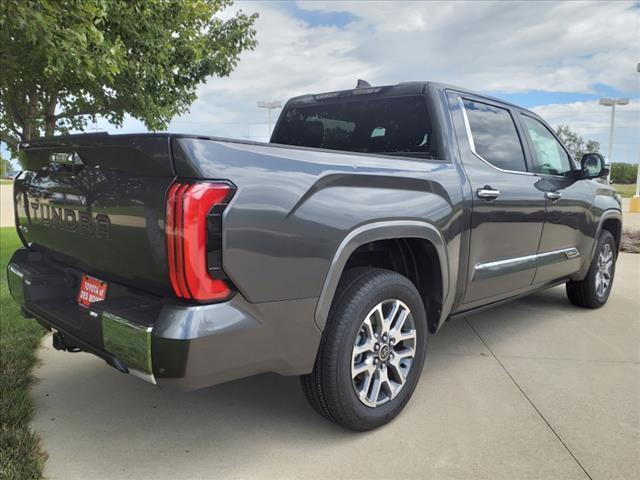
(50, 116)
(30, 125)
(27, 130)
(50, 127)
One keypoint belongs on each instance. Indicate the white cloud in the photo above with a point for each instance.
(591, 121)
(490, 46)
(565, 47)
(292, 58)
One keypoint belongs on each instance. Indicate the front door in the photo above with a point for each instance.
(508, 211)
(568, 234)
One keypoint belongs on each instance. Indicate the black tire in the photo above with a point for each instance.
(584, 293)
(329, 388)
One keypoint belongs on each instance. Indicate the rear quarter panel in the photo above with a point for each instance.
(294, 206)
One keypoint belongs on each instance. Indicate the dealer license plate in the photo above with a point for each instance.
(91, 291)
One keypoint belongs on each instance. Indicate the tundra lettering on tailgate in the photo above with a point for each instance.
(64, 218)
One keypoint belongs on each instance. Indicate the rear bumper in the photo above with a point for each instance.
(168, 343)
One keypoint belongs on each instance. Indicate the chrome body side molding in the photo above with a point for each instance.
(497, 268)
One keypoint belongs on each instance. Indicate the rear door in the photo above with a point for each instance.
(508, 210)
(568, 231)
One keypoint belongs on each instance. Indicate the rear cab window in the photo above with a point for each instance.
(389, 126)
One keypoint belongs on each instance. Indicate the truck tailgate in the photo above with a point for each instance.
(97, 203)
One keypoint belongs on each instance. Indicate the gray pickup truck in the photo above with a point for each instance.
(372, 217)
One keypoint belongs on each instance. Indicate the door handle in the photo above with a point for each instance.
(488, 193)
(553, 196)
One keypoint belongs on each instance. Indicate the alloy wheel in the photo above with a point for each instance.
(383, 352)
(603, 273)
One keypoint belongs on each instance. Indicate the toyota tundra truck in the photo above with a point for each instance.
(332, 252)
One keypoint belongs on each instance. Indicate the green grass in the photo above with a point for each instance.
(21, 457)
(626, 190)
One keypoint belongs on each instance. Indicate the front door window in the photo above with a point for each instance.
(550, 157)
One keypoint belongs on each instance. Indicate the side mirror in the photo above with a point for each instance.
(594, 165)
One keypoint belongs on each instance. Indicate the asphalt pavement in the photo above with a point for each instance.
(535, 389)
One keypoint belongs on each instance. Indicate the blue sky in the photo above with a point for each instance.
(319, 18)
(556, 58)
(535, 98)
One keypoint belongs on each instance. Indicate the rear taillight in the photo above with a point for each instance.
(194, 239)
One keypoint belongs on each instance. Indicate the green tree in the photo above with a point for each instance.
(63, 62)
(624, 172)
(575, 143)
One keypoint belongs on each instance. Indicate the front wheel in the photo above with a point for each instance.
(594, 290)
(372, 351)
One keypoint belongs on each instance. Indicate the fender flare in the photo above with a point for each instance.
(606, 215)
(372, 232)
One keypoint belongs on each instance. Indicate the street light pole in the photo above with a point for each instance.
(270, 105)
(634, 205)
(638, 180)
(612, 102)
(611, 124)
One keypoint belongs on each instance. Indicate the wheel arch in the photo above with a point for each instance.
(614, 226)
(610, 220)
(409, 237)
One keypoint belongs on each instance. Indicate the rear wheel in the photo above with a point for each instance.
(594, 290)
(373, 348)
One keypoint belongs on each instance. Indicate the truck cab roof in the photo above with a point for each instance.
(403, 88)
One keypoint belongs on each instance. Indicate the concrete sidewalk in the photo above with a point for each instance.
(6, 206)
(631, 221)
(533, 389)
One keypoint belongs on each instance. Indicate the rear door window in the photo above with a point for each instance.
(494, 136)
(392, 126)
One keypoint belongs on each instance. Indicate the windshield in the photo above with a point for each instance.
(393, 125)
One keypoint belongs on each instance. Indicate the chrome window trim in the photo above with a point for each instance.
(472, 144)
(495, 268)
